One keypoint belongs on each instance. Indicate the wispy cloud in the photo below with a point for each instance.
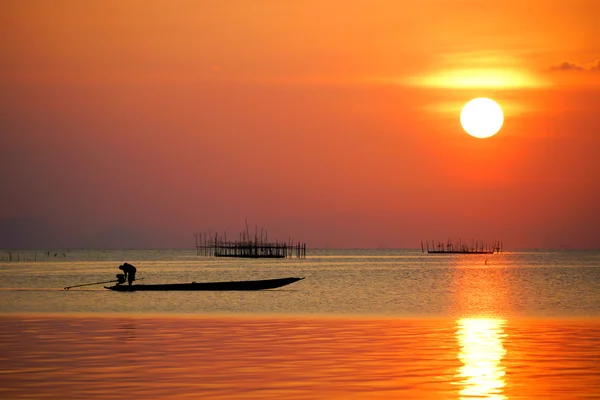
(468, 78)
(569, 66)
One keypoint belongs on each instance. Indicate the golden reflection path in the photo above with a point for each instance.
(481, 352)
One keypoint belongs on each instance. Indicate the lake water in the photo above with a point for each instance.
(374, 324)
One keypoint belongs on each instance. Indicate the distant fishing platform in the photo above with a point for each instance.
(462, 247)
(215, 245)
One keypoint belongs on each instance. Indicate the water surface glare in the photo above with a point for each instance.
(208, 357)
(364, 324)
(395, 283)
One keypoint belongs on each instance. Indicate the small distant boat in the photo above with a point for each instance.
(460, 251)
(476, 247)
(232, 285)
(250, 255)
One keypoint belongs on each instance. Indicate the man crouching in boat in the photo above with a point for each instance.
(128, 274)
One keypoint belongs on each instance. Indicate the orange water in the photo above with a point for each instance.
(271, 357)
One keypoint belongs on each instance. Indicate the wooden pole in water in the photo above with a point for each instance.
(247, 231)
(216, 236)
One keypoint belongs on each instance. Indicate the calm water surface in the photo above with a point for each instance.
(362, 325)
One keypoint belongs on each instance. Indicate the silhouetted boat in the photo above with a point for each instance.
(476, 247)
(251, 255)
(233, 285)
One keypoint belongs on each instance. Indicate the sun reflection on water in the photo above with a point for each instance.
(481, 352)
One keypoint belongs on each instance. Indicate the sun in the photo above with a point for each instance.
(481, 117)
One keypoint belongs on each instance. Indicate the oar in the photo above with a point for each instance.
(87, 284)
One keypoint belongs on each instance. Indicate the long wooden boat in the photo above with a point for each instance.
(232, 285)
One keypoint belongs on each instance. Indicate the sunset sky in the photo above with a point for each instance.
(133, 123)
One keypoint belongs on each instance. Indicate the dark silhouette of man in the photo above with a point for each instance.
(129, 272)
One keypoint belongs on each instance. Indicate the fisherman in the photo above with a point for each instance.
(128, 273)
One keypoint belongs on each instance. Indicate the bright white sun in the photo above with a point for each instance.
(481, 117)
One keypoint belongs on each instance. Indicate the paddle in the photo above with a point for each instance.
(97, 283)
(87, 284)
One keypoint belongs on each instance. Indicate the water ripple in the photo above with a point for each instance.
(297, 358)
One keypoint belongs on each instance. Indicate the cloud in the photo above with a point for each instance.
(566, 66)
(569, 66)
(501, 78)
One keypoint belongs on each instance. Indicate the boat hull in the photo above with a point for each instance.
(214, 286)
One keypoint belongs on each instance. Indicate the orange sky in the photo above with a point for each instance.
(135, 123)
